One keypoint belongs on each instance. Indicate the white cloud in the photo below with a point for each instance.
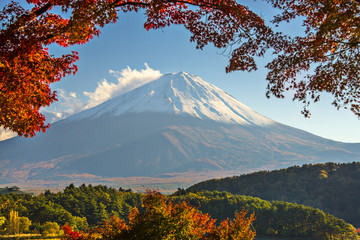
(69, 103)
(128, 80)
(72, 94)
(6, 134)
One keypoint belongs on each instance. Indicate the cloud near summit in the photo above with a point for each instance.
(127, 80)
(70, 103)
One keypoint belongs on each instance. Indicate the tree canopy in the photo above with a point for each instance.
(122, 214)
(327, 54)
(330, 45)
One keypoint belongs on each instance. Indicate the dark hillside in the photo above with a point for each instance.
(276, 219)
(331, 187)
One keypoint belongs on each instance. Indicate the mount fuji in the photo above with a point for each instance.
(180, 94)
(177, 125)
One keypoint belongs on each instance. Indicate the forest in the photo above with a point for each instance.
(331, 187)
(87, 207)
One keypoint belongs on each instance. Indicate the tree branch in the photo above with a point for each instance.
(118, 4)
(210, 5)
(42, 10)
(22, 20)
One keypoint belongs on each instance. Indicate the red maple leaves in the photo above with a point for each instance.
(323, 59)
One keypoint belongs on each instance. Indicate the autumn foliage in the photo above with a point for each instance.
(163, 219)
(325, 58)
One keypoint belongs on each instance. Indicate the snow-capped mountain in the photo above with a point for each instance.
(176, 125)
(180, 94)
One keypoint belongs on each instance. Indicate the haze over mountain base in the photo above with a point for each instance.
(174, 131)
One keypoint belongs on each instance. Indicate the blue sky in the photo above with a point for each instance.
(128, 44)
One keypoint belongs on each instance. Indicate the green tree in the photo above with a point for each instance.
(24, 224)
(2, 221)
(50, 228)
(14, 222)
(2, 218)
(79, 223)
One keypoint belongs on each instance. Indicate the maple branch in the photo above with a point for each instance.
(203, 4)
(68, 26)
(43, 9)
(351, 44)
(211, 5)
(336, 53)
(53, 35)
(118, 4)
(22, 20)
(195, 4)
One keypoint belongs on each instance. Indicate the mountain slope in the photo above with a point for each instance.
(181, 94)
(178, 124)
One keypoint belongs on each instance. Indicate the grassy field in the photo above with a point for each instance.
(30, 236)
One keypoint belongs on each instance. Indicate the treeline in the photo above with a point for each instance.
(272, 218)
(80, 207)
(331, 187)
(161, 218)
(89, 206)
(95, 203)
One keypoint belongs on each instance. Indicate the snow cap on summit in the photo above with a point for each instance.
(180, 94)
